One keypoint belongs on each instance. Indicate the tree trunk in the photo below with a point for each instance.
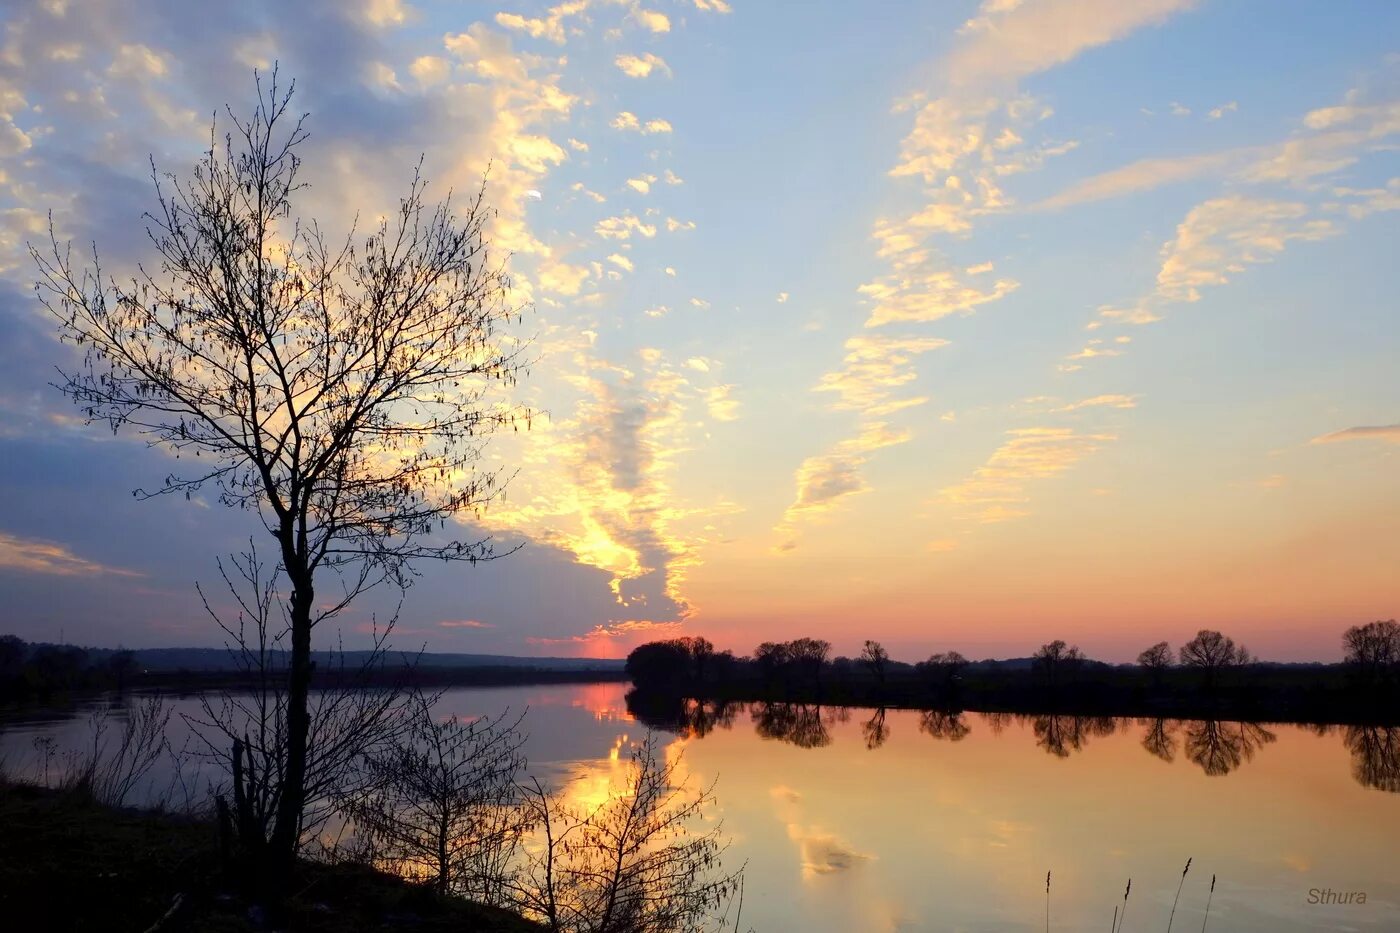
(286, 831)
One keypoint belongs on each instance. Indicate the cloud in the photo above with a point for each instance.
(1387, 433)
(628, 121)
(1092, 350)
(641, 184)
(1101, 401)
(608, 640)
(925, 295)
(1224, 235)
(641, 66)
(1329, 140)
(622, 262)
(997, 491)
(873, 367)
(720, 405)
(622, 228)
(465, 623)
(782, 298)
(713, 6)
(28, 555)
(1146, 175)
(1217, 112)
(551, 26)
(1010, 41)
(651, 20)
(825, 480)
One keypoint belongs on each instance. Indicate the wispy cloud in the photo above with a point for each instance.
(28, 555)
(1387, 433)
(997, 491)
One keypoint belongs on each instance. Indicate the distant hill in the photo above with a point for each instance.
(217, 659)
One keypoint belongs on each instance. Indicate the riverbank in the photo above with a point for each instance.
(1313, 694)
(69, 864)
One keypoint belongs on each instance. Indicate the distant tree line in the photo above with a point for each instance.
(1210, 673)
(40, 669)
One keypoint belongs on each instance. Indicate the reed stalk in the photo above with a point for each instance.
(1172, 918)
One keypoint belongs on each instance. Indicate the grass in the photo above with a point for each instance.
(70, 864)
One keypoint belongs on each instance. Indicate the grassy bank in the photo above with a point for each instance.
(69, 864)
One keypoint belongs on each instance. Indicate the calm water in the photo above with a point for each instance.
(849, 822)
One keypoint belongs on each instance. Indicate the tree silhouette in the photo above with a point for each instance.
(1373, 653)
(341, 390)
(875, 658)
(444, 801)
(1211, 652)
(1156, 660)
(1056, 660)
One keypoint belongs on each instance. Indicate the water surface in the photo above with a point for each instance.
(853, 820)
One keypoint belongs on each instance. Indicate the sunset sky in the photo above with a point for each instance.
(945, 325)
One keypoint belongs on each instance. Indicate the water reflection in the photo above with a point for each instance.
(1221, 747)
(1160, 738)
(1375, 756)
(944, 724)
(875, 730)
(1063, 735)
(1217, 747)
(797, 723)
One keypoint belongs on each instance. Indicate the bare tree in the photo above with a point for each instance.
(638, 863)
(942, 670)
(1157, 658)
(808, 657)
(339, 389)
(1211, 652)
(874, 656)
(245, 730)
(1055, 660)
(1373, 652)
(444, 802)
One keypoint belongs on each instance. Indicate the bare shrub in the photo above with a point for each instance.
(444, 803)
(637, 863)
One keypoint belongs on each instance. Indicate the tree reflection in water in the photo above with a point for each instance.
(797, 723)
(1375, 756)
(1063, 735)
(944, 724)
(1160, 739)
(875, 730)
(1221, 747)
(1216, 747)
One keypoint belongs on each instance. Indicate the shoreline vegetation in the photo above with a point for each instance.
(1213, 680)
(44, 672)
(148, 869)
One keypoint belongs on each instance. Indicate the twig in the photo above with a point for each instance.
(1209, 898)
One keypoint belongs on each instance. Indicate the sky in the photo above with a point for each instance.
(952, 326)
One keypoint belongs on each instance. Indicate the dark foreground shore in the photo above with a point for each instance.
(70, 864)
